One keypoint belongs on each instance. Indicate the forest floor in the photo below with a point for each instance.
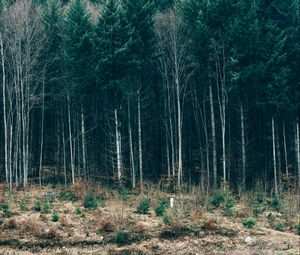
(51, 220)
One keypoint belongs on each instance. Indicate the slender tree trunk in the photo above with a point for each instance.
(71, 142)
(4, 112)
(213, 133)
(118, 147)
(243, 143)
(42, 134)
(285, 151)
(64, 148)
(140, 141)
(132, 164)
(179, 130)
(297, 149)
(274, 156)
(83, 145)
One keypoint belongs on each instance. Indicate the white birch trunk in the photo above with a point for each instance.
(118, 147)
(213, 133)
(285, 151)
(71, 143)
(274, 156)
(132, 164)
(140, 141)
(83, 145)
(297, 145)
(4, 112)
(42, 134)
(243, 144)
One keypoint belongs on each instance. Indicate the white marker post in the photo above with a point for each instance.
(171, 202)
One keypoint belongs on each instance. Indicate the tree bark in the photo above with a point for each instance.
(274, 156)
(140, 141)
(71, 142)
(243, 144)
(213, 133)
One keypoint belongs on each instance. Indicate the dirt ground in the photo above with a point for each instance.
(80, 231)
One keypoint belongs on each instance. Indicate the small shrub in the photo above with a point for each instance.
(5, 209)
(275, 203)
(121, 238)
(23, 204)
(161, 207)
(78, 211)
(90, 201)
(37, 206)
(106, 225)
(144, 206)
(123, 193)
(46, 208)
(68, 195)
(279, 226)
(55, 217)
(249, 222)
(222, 198)
(166, 219)
(298, 228)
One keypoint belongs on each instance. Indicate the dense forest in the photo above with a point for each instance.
(187, 92)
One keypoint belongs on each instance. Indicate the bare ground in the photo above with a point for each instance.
(81, 231)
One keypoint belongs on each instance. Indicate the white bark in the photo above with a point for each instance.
(132, 164)
(4, 111)
(274, 156)
(118, 147)
(71, 142)
(83, 145)
(285, 151)
(140, 141)
(243, 144)
(42, 133)
(297, 147)
(213, 133)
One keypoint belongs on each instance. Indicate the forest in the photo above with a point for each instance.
(149, 127)
(124, 92)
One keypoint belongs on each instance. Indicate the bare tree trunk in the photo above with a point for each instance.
(4, 112)
(132, 164)
(213, 133)
(243, 143)
(140, 141)
(179, 129)
(118, 147)
(285, 151)
(71, 142)
(42, 133)
(83, 145)
(274, 156)
(64, 148)
(297, 149)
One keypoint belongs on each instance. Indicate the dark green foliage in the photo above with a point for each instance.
(166, 219)
(90, 201)
(297, 227)
(279, 226)
(222, 198)
(144, 206)
(37, 205)
(23, 204)
(121, 237)
(5, 209)
(55, 217)
(249, 222)
(161, 207)
(275, 203)
(68, 195)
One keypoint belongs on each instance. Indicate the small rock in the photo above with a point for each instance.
(250, 241)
